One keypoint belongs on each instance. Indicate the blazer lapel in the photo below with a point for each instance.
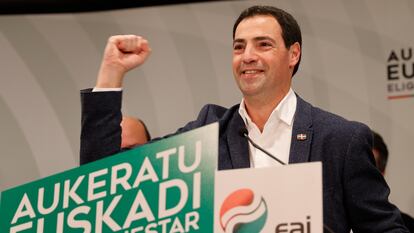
(237, 145)
(300, 146)
(302, 133)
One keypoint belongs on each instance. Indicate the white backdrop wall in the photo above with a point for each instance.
(46, 59)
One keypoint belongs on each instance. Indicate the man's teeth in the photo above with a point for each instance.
(251, 71)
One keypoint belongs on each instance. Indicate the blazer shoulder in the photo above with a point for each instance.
(213, 110)
(210, 113)
(327, 123)
(336, 125)
(332, 120)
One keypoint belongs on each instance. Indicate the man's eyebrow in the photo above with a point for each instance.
(259, 38)
(239, 41)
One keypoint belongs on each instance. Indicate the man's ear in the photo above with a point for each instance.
(294, 53)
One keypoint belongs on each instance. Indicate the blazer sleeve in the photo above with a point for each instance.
(100, 124)
(101, 118)
(366, 192)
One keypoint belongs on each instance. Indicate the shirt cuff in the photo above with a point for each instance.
(100, 89)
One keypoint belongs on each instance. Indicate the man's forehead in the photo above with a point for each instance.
(257, 27)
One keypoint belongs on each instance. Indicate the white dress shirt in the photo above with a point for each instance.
(276, 135)
(103, 89)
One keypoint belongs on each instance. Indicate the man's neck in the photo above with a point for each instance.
(259, 108)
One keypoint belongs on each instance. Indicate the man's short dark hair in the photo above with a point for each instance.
(381, 147)
(290, 28)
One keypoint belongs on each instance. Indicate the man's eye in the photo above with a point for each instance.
(265, 44)
(237, 47)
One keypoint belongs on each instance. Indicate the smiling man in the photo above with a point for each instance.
(263, 64)
(266, 54)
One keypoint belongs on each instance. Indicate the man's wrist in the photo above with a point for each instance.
(110, 77)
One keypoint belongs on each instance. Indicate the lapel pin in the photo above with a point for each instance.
(301, 137)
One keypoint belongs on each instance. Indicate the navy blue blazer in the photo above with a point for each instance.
(355, 194)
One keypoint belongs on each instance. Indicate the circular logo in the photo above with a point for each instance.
(243, 212)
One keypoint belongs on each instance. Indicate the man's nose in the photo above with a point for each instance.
(249, 55)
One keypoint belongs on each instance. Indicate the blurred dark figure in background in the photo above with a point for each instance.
(134, 132)
(380, 151)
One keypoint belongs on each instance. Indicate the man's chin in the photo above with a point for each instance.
(249, 93)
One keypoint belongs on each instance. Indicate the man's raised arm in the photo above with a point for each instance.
(101, 109)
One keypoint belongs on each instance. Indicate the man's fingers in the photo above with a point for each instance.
(144, 45)
(127, 43)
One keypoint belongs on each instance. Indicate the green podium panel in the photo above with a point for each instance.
(165, 186)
